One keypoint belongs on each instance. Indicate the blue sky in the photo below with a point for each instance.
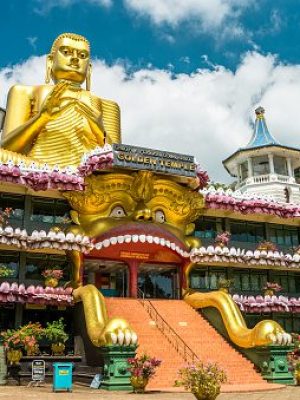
(117, 31)
(187, 74)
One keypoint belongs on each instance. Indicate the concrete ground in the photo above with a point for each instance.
(82, 393)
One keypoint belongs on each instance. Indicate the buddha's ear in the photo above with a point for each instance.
(88, 78)
(49, 63)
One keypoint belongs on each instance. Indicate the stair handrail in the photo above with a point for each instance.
(141, 295)
(171, 335)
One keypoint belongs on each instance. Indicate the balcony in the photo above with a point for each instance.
(266, 179)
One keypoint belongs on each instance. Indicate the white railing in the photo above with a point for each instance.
(267, 178)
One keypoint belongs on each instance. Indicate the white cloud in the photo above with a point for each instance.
(209, 13)
(43, 7)
(206, 113)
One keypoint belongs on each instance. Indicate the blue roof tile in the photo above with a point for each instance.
(261, 135)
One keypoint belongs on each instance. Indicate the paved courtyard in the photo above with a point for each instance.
(82, 393)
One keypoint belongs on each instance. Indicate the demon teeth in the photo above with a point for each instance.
(120, 239)
(106, 243)
(135, 238)
(156, 240)
(113, 240)
(127, 238)
(149, 239)
(142, 238)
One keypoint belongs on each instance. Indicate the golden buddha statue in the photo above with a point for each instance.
(57, 124)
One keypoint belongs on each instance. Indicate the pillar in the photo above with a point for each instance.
(133, 277)
(289, 167)
(250, 167)
(271, 163)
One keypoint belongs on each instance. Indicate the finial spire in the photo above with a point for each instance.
(260, 111)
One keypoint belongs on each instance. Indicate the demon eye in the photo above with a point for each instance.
(159, 216)
(117, 212)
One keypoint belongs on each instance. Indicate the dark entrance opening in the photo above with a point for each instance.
(158, 281)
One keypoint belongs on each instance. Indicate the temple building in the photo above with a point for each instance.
(147, 250)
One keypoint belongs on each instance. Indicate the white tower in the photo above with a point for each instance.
(266, 167)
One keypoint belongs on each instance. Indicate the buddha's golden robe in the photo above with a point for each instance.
(65, 139)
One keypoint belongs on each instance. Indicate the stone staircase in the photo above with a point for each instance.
(193, 329)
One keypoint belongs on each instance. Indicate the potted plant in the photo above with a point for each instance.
(203, 380)
(26, 337)
(224, 284)
(5, 271)
(52, 276)
(265, 245)
(142, 368)
(5, 215)
(56, 334)
(13, 345)
(30, 335)
(271, 287)
(222, 239)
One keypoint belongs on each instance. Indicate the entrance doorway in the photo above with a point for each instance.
(110, 277)
(158, 281)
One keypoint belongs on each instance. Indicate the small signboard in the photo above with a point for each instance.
(166, 162)
(38, 371)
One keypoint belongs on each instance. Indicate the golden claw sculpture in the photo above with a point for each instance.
(264, 333)
(100, 329)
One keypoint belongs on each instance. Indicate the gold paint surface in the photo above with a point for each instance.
(57, 124)
(142, 195)
(260, 335)
(99, 326)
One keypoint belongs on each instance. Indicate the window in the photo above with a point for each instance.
(280, 166)
(9, 265)
(37, 263)
(249, 280)
(242, 231)
(290, 282)
(50, 211)
(206, 279)
(7, 317)
(16, 202)
(297, 174)
(284, 235)
(297, 284)
(260, 165)
(206, 227)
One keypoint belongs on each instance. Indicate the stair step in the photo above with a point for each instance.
(196, 332)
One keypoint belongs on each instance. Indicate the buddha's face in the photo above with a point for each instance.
(70, 60)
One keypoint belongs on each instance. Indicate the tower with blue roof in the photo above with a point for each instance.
(266, 167)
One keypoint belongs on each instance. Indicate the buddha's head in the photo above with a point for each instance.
(69, 59)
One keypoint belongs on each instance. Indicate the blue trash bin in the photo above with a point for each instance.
(62, 376)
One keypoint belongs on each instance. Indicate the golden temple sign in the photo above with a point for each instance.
(166, 162)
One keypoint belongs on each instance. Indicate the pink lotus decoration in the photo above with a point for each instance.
(228, 200)
(53, 273)
(263, 304)
(223, 238)
(202, 177)
(15, 293)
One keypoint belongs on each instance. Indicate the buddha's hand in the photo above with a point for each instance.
(52, 104)
(89, 112)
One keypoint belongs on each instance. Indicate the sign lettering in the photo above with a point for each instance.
(165, 162)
